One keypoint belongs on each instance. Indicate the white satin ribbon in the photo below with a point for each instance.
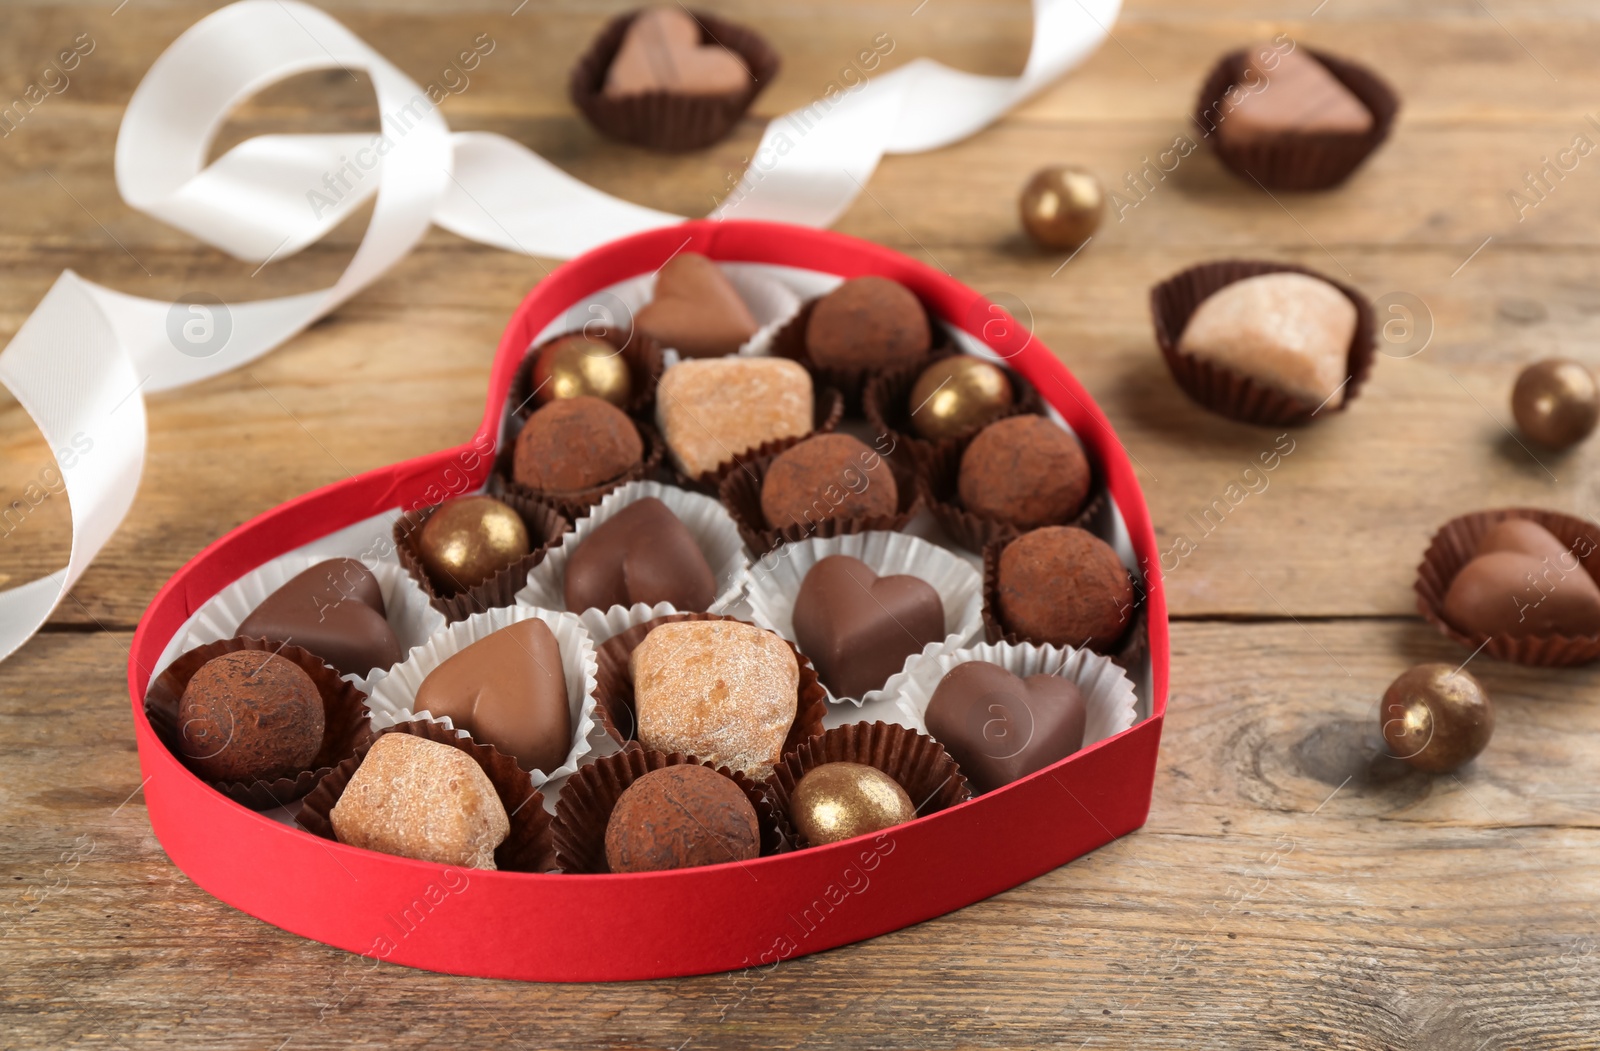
(82, 361)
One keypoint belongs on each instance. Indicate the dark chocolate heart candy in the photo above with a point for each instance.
(858, 628)
(507, 689)
(642, 554)
(335, 610)
(999, 727)
(695, 310)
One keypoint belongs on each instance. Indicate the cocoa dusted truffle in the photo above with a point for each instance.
(576, 443)
(868, 323)
(1064, 586)
(828, 476)
(1026, 471)
(679, 817)
(250, 715)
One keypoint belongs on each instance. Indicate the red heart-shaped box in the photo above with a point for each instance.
(690, 921)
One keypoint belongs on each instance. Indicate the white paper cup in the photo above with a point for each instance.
(405, 606)
(393, 694)
(602, 624)
(1108, 694)
(706, 519)
(775, 579)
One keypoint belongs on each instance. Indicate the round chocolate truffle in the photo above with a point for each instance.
(1064, 586)
(679, 817)
(576, 443)
(1026, 471)
(470, 539)
(249, 715)
(828, 476)
(868, 323)
(838, 801)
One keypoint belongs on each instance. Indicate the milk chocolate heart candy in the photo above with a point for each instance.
(858, 628)
(1288, 93)
(695, 310)
(662, 51)
(642, 554)
(507, 689)
(998, 727)
(335, 610)
(1523, 582)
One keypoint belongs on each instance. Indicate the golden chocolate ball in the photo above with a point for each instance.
(1556, 402)
(956, 396)
(1062, 207)
(470, 539)
(839, 800)
(1436, 718)
(574, 366)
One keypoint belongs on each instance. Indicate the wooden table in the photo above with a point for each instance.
(1290, 889)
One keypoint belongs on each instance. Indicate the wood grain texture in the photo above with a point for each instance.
(1292, 887)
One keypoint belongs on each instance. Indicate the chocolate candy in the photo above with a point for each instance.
(662, 52)
(1025, 471)
(422, 799)
(998, 727)
(1523, 582)
(335, 610)
(695, 311)
(507, 689)
(1436, 717)
(712, 411)
(250, 715)
(1286, 330)
(1556, 402)
(838, 801)
(1061, 207)
(956, 396)
(1291, 93)
(721, 690)
(679, 817)
(574, 444)
(868, 323)
(827, 476)
(576, 366)
(858, 628)
(1064, 586)
(468, 540)
(640, 554)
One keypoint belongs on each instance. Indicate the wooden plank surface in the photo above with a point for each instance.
(1290, 889)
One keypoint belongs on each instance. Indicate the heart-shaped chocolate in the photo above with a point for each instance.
(641, 554)
(1523, 582)
(507, 689)
(335, 610)
(999, 727)
(663, 51)
(858, 628)
(695, 311)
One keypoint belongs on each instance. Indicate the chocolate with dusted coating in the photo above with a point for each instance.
(249, 715)
(1064, 586)
(679, 817)
(335, 610)
(998, 727)
(1026, 471)
(827, 476)
(868, 323)
(1523, 582)
(507, 689)
(858, 628)
(640, 554)
(576, 443)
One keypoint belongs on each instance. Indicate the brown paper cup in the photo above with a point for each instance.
(1128, 649)
(614, 685)
(940, 478)
(662, 120)
(641, 353)
(919, 763)
(1297, 160)
(885, 402)
(528, 846)
(345, 722)
(575, 503)
(588, 799)
(545, 527)
(741, 495)
(1230, 393)
(790, 342)
(1456, 544)
(827, 411)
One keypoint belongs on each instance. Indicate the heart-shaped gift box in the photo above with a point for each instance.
(551, 927)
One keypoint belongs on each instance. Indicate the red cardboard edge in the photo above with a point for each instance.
(693, 921)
